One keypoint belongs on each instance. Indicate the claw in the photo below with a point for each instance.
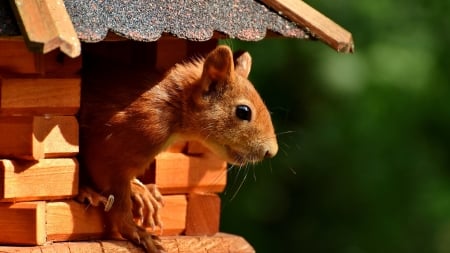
(91, 197)
(109, 203)
(147, 201)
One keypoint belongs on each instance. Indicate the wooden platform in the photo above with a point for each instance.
(219, 243)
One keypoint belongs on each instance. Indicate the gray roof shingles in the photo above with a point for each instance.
(147, 20)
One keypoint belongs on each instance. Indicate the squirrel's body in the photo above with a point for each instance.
(128, 117)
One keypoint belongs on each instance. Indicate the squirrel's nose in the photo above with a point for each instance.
(272, 150)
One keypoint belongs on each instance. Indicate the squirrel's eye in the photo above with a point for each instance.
(244, 112)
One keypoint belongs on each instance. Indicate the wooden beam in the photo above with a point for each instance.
(47, 26)
(203, 214)
(22, 223)
(43, 180)
(70, 220)
(58, 134)
(318, 24)
(39, 96)
(15, 57)
(177, 173)
(34, 138)
(223, 243)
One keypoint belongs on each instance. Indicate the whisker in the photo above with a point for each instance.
(285, 132)
(294, 172)
(240, 186)
(285, 153)
(254, 173)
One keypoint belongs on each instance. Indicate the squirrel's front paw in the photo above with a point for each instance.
(147, 200)
(136, 234)
(89, 196)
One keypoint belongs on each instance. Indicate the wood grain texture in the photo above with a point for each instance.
(22, 223)
(317, 23)
(48, 26)
(58, 64)
(219, 243)
(203, 214)
(15, 57)
(39, 96)
(59, 135)
(34, 138)
(42, 180)
(17, 140)
(70, 220)
(179, 173)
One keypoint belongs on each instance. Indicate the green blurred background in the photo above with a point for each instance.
(364, 160)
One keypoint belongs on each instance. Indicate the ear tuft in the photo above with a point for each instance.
(219, 64)
(243, 63)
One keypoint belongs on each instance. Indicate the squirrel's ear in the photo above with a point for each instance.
(242, 63)
(218, 66)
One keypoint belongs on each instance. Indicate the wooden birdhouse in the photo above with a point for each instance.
(41, 57)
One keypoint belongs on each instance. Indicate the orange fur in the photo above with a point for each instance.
(128, 116)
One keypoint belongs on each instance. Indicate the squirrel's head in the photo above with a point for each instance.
(228, 112)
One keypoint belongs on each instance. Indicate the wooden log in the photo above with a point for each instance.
(219, 243)
(42, 180)
(40, 96)
(70, 220)
(47, 25)
(58, 134)
(203, 214)
(22, 223)
(17, 140)
(179, 173)
(317, 23)
(15, 57)
(58, 64)
(34, 138)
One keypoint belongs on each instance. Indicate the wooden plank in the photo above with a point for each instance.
(70, 220)
(34, 138)
(318, 24)
(15, 57)
(40, 96)
(203, 214)
(22, 223)
(179, 173)
(42, 180)
(17, 140)
(58, 64)
(219, 243)
(47, 26)
(59, 135)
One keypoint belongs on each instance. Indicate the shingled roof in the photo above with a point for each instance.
(148, 20)
(145, 20)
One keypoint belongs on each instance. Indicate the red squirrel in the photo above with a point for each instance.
(128, 116)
